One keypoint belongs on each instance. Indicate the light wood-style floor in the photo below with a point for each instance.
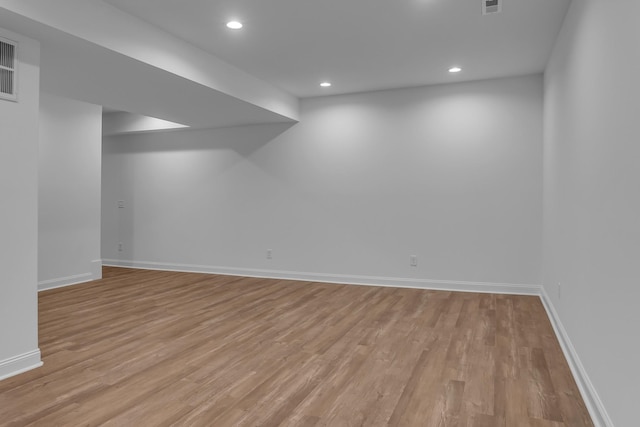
(149, 348)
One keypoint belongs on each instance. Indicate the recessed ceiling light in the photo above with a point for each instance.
(234, 25)
(325, 84)
(455, 69)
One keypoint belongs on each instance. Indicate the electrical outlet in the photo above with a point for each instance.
(120, 247)
(269, 253)
(120, 204)
(413, 261)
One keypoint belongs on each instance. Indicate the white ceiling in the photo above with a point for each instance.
(362, 45)
(76, 68)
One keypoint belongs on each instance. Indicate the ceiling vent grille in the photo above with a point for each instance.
(491, 6)
(8, 69)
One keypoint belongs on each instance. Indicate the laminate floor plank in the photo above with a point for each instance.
(154, 348)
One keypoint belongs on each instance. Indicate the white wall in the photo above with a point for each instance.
(592, 202)
(69, 191)
(449, 173)
(19, 215)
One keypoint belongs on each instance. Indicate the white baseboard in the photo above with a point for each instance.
(95, 273)
(19, 364)
(591, 399)
(64, 281)
(397, 282)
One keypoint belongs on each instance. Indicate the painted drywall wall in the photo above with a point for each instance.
(451, 174)
(592, 207)
(70, 159)
(19, 215)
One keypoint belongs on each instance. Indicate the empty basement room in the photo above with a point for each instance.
(319, 213)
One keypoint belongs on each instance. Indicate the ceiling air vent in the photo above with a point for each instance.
(8, 69)
(491, 6)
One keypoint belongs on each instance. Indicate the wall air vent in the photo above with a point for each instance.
(491, 6)
(8, 69)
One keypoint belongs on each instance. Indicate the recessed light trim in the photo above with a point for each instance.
(325, 84)
(454, 70)
(234, 25)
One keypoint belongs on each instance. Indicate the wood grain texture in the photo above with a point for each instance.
(152, 348)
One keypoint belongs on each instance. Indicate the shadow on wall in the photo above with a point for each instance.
(244, 140)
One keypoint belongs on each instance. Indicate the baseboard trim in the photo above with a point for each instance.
(20, 364)
(396, 282)
(589, 394)
(64, 281)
